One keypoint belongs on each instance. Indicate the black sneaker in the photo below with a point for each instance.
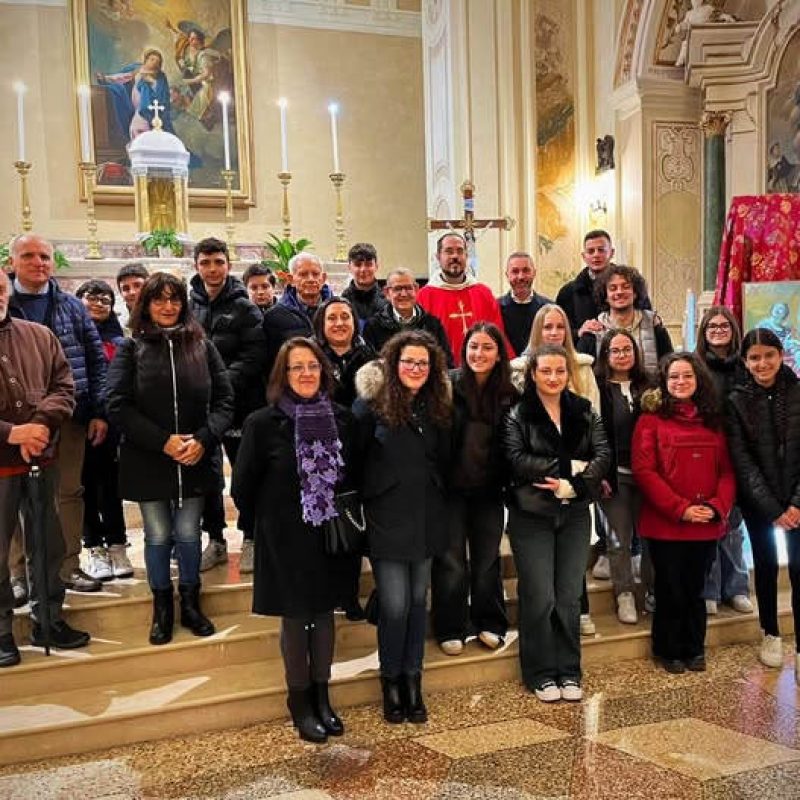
(61, 636)
(696, 664)
(9, 654)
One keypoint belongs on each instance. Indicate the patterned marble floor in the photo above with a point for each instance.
(730, 733)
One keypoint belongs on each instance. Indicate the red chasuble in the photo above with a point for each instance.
(458, 308)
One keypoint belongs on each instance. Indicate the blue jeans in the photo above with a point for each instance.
(402, 616)
(164, 524)
(729, 575)
(550, 554)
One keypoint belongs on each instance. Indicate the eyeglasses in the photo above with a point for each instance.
(299, 369)
(98, 300)
(412, 364)
(718, 327)
(401, 289)
(172, 300)
(616, 352)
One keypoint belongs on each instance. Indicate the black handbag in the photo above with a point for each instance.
(345, 534)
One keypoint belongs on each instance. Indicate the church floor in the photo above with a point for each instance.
(732, 732)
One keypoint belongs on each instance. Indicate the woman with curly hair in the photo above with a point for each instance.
(680, 463)
(405, 412)
(764, 436)
(467, 594)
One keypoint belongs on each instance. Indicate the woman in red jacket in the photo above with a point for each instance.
(680, 462)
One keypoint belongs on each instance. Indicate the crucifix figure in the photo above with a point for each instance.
(156, 107)
(468, 224)
(462, 315)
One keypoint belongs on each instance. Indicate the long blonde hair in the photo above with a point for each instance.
(576, 382)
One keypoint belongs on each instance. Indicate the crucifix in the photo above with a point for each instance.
(468, 224)
(155, 107)
(463, 315)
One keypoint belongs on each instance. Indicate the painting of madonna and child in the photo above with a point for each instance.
(776, 306)
(182, 55)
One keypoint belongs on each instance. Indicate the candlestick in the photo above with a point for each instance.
(228, 175)
(20, 89)
(284, 138)
(337, 179)
(225, 98)
(23, 168)
(333, 110)
(89, 170)
(84, 109)
(285, 177)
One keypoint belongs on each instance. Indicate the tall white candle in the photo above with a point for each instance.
(284, 138)
(333, 110)
(225, 98)
(84, 112)
(20, 89)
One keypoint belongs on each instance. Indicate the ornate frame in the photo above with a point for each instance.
(198, 196)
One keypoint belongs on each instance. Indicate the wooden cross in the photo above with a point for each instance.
(463, 315)
(155, 107)
(469, 224)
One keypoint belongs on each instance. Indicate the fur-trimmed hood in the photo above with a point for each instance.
(369, 380)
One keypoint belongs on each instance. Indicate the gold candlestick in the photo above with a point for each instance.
(337, 179)
(89, 170)
(23, 168)
(228, 175)
(285, 178)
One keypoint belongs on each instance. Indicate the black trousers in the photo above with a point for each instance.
(765, 562)
(679, 621)
(467, 593)
(213, 520)
(103, 519)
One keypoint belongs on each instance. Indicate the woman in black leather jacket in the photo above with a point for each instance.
(558, 454)
(764, 441)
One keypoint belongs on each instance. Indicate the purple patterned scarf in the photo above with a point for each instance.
(319, 453)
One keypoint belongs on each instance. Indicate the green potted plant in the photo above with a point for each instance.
(164, 241)
(281, 252)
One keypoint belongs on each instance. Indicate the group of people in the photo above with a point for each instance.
(454, 416)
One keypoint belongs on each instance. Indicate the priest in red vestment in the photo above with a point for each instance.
(457, 299)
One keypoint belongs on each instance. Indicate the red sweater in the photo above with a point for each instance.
(678, 462)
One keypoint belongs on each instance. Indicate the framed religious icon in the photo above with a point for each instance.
(775, 306)
(180, 56)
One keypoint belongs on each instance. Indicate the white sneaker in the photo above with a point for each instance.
(711, 607)
(490, 639)
(588, 627)
(120, 563)
(571, 691)
(771, 652)
(452, 647)
(215, 553)
(626, 609)
(602, 569)
(99, 566)
(636, 568)
(742, 603)
(548, 692)
(246, 558)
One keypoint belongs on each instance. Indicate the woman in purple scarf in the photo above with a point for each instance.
(294, 456)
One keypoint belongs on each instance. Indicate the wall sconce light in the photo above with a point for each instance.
(605, 154)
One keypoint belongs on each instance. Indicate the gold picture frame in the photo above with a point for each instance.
(131, 50)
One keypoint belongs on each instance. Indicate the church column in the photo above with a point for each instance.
(714, 125)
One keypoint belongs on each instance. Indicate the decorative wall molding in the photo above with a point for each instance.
(380, 17)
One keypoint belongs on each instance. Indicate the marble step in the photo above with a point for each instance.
(184, 688)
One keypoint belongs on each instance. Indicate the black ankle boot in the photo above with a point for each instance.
(393, 710)
(322, 705)
(163, 616)
(191, 615)
(305, 720)
(415, 708)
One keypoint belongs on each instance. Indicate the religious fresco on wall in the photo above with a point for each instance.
(181, 55)
(783, 124)
(775, 306)
(555, 135)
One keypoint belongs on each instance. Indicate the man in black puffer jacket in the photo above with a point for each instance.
(220, 303)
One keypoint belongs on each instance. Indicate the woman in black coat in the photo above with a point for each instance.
(293, 458)
(170, 397)
(404, 413)
(764, 439)
(467, 594)
(557, 453)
